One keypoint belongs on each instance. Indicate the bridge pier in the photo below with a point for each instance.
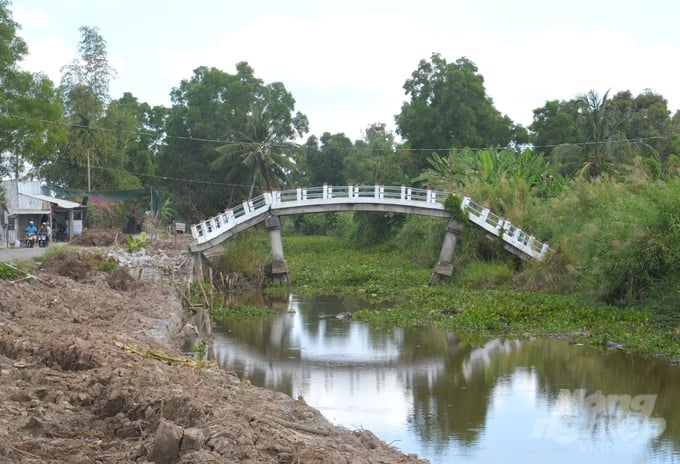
(200, 262)
(444, 268)
(279, 264)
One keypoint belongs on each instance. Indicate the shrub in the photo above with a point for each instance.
(420, 238)
(246, 254)
(136, 244)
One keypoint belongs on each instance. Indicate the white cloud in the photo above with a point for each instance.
(366, 53)
(48, 55)
(345, 49)
(559, 63)
(35, 17)
(346, 68)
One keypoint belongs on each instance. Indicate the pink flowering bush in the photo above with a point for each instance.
(102, 214)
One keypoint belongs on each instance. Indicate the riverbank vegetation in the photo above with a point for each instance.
(486, 300)
(611, 274)
(597, 176)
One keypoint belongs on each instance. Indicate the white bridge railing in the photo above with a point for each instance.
(504, 229)
(215, 226)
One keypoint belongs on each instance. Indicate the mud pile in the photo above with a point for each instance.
(90, 372)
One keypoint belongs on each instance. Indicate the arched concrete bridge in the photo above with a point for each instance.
(270, 205)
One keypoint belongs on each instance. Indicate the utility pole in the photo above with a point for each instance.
(88, 169)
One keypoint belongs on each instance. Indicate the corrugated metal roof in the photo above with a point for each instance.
(57, 201)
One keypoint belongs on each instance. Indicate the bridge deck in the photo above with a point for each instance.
(212, 231)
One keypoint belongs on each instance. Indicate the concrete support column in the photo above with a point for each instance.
(200, 264)
(279, 265)
(444, 266)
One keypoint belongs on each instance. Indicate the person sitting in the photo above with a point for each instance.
(30, 231)
(31, 228)
(45, 229)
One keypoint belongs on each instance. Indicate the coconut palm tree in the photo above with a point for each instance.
(260, 151)
(605, 145)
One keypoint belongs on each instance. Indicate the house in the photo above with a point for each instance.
(26, 202)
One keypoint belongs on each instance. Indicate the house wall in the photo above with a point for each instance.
(21, 209)
(21, 204)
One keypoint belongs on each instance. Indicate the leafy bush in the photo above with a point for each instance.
(108, 266)
(420, 238)
(136, 244)
(615, 238)
(373, 228)
(102, 214)
(246, 254)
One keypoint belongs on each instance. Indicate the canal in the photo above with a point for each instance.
(457, 398)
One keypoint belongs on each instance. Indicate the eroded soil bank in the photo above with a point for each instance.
(77, 384)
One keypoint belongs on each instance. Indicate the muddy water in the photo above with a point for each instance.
(449, 399)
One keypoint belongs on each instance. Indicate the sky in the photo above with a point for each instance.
(345, 63)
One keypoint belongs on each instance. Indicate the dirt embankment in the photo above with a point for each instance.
(84, 378)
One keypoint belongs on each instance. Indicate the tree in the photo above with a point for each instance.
(556, 123)
(34, 128)
(129, 123)
(265, 144)
(198, 121)
(645, 118)
(30, 111)
(376, 159)
(674, 140)
(326, 163)
(449, 108)
(91, 69)
(84, 87)
(225, 133)
(605, 145)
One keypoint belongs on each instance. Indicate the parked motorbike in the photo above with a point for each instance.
(30, 240)
(42, 240)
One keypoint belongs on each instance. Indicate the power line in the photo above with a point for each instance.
(152, 176)
(302, 146)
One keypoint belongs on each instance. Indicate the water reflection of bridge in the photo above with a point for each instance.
(428, 390)
(358, 375)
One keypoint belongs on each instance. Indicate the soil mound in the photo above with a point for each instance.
(100, 237)
(90, 371)
(67, 265)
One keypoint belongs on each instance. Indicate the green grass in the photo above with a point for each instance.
(326, 265)
(108, 267)
(55, 250)
(240, 311)
(9, 272)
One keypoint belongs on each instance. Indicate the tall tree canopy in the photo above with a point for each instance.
(89, 158)
(133, 133)
(228, 135)
(556, 123)
(604, 125)
(645, 118)
(449, 108)
(325, 163)
(377, 160)
(91, 69)
(264, 146)
(30, 111)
